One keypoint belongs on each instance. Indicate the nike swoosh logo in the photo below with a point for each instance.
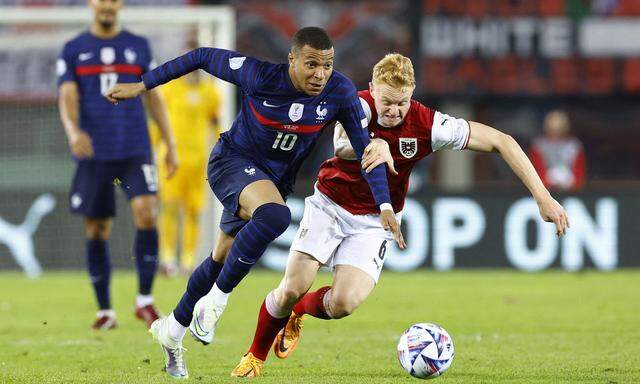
(282, 347)
(198, 328)
(269, 105)
(85, 56)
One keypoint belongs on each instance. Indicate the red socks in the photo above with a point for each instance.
(266, 332)
(312, 304)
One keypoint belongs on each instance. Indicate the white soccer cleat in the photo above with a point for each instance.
(173, 351)
(206, 314)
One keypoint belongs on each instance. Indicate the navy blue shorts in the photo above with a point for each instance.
(229, 172)
(93, 189)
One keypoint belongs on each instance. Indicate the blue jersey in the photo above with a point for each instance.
(95, 64)
(277, 125)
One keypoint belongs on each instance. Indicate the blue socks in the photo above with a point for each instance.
(268, 222)
(199, 284)
(99, 268)
(146, 251)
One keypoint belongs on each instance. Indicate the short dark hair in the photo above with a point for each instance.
(314, 37)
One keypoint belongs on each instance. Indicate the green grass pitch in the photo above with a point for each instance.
(507, 327)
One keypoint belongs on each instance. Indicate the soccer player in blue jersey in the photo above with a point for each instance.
(253, 167)
(111, 146)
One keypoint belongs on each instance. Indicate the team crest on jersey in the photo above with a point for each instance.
(321, 112)
(408, 146)
(130, 55)
(295, 112)
(107, 55)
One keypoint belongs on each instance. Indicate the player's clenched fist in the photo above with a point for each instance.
(125, 91)
(389, 223)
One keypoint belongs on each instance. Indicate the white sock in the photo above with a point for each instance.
(218, 296)
(143, 300)
(106, 312)
(273, 308)
(176, 330)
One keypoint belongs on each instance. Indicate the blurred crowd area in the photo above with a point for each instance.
(506, 63)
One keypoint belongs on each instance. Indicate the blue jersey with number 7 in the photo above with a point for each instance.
(95, 64)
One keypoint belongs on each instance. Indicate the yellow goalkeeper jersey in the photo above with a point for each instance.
(192, 108)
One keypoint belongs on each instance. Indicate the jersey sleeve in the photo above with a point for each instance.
(355, 123)
(227, 65)
(340, 141)
(448, 132)
(65, 65)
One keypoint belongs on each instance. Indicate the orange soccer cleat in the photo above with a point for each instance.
(249, 366)
(287, 339)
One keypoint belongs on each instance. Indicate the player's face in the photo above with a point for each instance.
(392, 104)
(310, 69)
(106, 11)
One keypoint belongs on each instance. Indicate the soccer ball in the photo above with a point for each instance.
(425, 350)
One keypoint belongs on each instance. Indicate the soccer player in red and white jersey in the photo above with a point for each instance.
(340, 227)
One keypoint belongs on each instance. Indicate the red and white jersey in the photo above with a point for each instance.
(561, 163)
(422, 132)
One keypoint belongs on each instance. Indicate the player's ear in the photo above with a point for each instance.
(371, 87)
(290, 57)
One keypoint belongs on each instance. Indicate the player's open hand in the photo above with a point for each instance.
(389, 223)
(552, 211)
(171, 161)
(376, 153)
(81, 145)
(123, 91)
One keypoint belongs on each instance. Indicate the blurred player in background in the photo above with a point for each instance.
(111, 146)
(340, 227)
(253, 167)
(193, 102)
(557, 156)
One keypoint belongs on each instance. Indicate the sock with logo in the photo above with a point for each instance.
(314, 304)
(99, 268)
(268, 222)
(146, 251)
(200, 283)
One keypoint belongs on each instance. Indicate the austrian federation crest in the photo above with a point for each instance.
(408, 146)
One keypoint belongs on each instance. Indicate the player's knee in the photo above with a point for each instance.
(98, 229)
(145, 217)
(278, 216)
(342, 306)
(289, 296)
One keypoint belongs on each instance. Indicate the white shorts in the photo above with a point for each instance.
(334, 236)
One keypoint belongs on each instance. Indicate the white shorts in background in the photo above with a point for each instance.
(334, 236)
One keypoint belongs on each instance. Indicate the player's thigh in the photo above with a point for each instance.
(351, 287)
(222, 247)
(299, 275)
(145, 211)
(254, 195)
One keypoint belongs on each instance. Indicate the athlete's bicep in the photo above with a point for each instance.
(483, 138)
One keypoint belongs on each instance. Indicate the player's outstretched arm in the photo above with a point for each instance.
(68, 104)
(487, 139)
(355, 129)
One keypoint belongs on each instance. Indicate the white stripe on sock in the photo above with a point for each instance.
(273, 308)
